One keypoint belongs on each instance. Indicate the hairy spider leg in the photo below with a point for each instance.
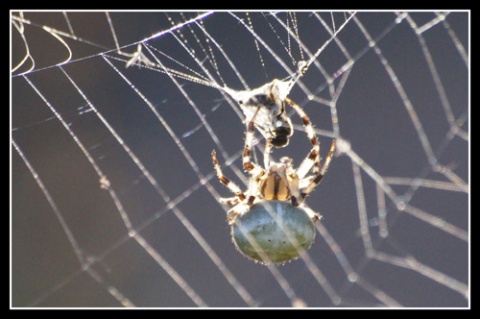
(225, 181)
(314, 216)
(250, 166)
(240, 196)
(313, 159)
(316, 178)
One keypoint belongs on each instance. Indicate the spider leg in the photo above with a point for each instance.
(326, 164)
(266, 154)
(295, 196)
(313, 215)
(240, 209)
(292, 182)
(250, 166)
(231, 201)
(318, 177)
(313, 158)
(224, 180)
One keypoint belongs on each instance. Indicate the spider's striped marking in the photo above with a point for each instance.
(313, 158)
(224, 180)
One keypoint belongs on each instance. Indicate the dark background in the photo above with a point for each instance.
(46, 271)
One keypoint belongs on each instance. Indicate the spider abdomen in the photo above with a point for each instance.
(273, 232)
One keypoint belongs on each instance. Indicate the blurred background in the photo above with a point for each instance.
(114, 197)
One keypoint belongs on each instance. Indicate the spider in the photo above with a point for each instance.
(283, 189)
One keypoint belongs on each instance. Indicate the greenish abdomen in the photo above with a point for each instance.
(273, 232)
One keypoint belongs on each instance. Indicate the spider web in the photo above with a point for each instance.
(114, 196)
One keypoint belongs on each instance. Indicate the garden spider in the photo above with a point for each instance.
(270, 222)
(277, 180)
